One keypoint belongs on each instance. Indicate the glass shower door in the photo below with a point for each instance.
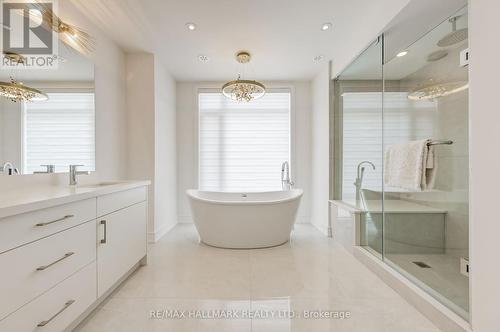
(358, 144)
(426, 105)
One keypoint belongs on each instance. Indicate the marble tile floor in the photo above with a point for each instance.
(188, 286)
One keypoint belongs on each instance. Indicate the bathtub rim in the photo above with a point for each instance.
(298, 195)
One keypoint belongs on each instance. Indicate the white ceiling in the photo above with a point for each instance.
(283, 35)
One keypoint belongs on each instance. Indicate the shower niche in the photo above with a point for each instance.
(398, 96)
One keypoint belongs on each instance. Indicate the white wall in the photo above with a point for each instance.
(152, 138)
(187, 137)
(10, 133)
(165, 152)
(320, 149)
(141, 124)
(485, 163)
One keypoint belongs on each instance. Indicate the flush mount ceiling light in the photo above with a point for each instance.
(318, 58)
(191, 26)
(240, 89)
(438, 90)
(326, 26)
(203, 58)
(402, 54)
(17, 91)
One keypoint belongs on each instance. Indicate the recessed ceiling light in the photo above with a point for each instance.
(326, 26)
(318, 58)
(403, 53)
(203, 58)
(191, 26)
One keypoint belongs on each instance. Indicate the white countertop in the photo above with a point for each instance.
(389, 206)
(28, 199)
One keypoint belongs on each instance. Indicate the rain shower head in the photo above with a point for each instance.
(455, 36)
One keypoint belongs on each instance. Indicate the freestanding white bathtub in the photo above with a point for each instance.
(244, 220)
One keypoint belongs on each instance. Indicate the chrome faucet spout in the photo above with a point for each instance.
(73, 172)
(9, 169)
(286, 182)
(359, 177)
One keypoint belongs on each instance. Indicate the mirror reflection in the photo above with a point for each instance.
(47, 116)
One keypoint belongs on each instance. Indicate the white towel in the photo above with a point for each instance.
(410, 166)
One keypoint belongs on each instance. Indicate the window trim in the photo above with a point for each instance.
(215, 88)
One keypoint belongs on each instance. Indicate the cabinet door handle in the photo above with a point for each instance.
(43, 267)
(104, 240)
(53, 221)
(66, 306)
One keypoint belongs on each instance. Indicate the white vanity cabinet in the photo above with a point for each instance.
(61, 256)
(122, 235)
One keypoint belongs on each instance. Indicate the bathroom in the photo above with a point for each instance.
(179, 166)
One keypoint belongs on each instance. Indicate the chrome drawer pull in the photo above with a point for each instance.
(66, 306)
(43, 267)
(53, 221)
(104, 240)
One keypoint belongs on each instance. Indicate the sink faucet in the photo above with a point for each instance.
(73, 172)
(359, 177)
(49, 169)
(9, 168)
(286, 182)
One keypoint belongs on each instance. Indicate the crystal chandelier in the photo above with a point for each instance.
(17, 91)
(243, 90)
(438, 90)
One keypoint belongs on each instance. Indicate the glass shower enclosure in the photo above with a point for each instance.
(387, 104)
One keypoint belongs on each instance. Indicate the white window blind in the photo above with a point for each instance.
(60, 131)
(242, 145)
(364, 137)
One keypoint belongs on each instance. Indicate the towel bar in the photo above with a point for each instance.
(440, 142)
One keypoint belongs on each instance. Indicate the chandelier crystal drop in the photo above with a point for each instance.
(242, 90)
(438, 90)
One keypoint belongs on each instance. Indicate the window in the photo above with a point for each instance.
(60, 131)
(242, 145)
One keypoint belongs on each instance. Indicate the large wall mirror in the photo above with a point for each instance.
(47, 136)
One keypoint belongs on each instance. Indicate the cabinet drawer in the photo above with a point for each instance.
(116, 201)
(27, 227)
(57, 308)
(32, 269)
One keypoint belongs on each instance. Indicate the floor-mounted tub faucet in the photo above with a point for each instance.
(286, 182)
(359, 177)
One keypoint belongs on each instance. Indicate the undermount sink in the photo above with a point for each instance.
(99, 184)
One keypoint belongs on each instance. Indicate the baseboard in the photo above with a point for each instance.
(189, 219)
(323, 229)
(185, 219)
(155, 236)
(303, 220)
(445, 319)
